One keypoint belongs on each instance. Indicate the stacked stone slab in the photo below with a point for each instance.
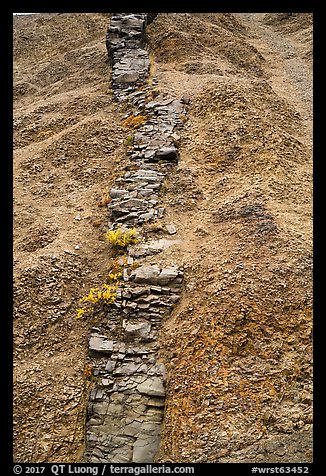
(124, 42)
(126, 403)
(135, 200)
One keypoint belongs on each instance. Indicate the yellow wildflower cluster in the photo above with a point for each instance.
(113, 277)
(122, 238)
(81, 312)
(107, 294)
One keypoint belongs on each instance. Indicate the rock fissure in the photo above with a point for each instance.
(126, 404)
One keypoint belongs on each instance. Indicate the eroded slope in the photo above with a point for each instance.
(238, 349)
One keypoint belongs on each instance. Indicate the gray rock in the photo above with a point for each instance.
(167, 153)
(147, 216)
(156, 289)
(145, 449)
(141, 329)
(157, 402)
(146, 274)
(160, 369)
(136, 156)
(153, 387)
(99, 344)
(117, 210)
(127, 78)
(146, 192)
(121, 347)
(177, 106)
(143, 369)
(117, 193)
(152, 104)
(97, 394)
(151, 428)
(143, 306)
(110, 365)
(126, 369)
(131, 430)
(137, 351)
(167, 275)
(140, 138)
(149, 153)
(171, 229)
(115, 409)
(138, 291)
(175, 297)
(160, 212)
(149, 179)
(133, 203)
(149, 173)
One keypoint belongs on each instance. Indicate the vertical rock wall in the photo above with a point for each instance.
(126, 405)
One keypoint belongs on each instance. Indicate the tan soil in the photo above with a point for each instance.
(68, 149)
(238, 347)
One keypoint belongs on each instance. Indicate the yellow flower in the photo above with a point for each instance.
(122, 238)
(81, 312)
(114, 276)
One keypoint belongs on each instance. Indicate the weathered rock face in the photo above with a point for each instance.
(124, 41)
(126, 404)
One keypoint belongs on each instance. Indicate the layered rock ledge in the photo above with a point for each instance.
(126, 404)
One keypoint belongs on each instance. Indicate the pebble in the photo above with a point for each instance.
(171, 229)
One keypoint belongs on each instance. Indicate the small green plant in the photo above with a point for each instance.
(135, 265)
(129, 141)
(122, 238)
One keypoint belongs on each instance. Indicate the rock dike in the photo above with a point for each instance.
(126, 404)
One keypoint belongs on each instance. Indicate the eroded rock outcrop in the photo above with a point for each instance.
(126, 404)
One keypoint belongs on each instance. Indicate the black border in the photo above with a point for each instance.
(6, 190)
(7, 203)
(167, 6)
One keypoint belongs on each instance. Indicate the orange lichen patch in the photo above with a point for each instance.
(134, 121)
(88, 371)
(104, 200)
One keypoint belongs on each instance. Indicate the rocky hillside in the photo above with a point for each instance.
(237, 346)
